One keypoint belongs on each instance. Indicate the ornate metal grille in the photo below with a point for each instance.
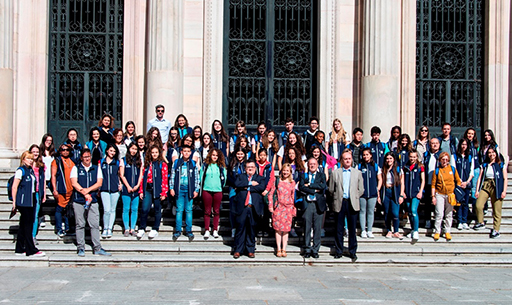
(268, 65)
(85, 64)
(449, 61)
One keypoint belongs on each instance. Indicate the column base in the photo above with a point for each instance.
(8, 159)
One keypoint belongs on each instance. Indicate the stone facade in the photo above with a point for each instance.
(173, 55)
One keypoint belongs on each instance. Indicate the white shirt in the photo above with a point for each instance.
(489, 173)
(163, 125)
(47, 160)
(74, 172)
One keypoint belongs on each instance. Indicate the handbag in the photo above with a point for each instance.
(452, 199)
(460, 194)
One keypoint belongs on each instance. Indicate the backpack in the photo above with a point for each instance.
(10, 183)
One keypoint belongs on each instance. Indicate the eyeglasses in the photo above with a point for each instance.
(65, 149)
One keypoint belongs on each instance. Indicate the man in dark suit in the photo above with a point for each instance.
(248, 202)
(346, 185)
(312, 185)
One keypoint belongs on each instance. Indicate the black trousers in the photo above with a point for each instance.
(245, 238)
(346, 212)
(24, 241)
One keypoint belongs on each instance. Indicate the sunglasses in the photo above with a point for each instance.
(162, 111)
(424, 130)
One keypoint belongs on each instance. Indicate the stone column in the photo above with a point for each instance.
(165, 58)
(134, 46)
(380, 103)
(497, 71)
(408, 68)
(6, 81)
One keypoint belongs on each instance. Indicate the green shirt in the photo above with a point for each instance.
(212, 181)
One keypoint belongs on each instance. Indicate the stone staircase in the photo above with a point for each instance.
(467, 247)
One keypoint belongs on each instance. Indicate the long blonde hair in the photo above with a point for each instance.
(290, 178)
(340, 135)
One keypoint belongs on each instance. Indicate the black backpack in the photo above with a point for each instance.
(10, 182)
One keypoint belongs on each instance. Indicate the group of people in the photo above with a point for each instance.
(273, 179)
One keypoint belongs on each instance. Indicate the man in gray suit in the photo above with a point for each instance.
(312, 185)
(346, 185)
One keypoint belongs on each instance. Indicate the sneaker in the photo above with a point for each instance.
(233, 232)
(35, 241)
(206, 234)
(465, 226)
(460, 227)
(61, 234)
(389, 235)
(322, 233)
(415, 235)
(140, 233)
(42, 224)
(293, 233)
(102, 252)
(109, 233)
(428, 224)
(364, 234)
(152, 234)
(190, 236)
(260, 234)
(478, 226)
(20, 253)
(448, 236)
(436, 237)
(126, 233)
(39, 254)
(215, 234)
(398, 235)
(176, 235)
(104, 234)
(370, 234)
(494, 234)
(81, 252)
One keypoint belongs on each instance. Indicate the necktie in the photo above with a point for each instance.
(248, 199)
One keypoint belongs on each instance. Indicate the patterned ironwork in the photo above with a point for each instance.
(85, 64)
(449, 61)
(270, 55)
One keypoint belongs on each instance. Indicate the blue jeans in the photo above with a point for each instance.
(36, 217)
(391, 211)
(183, 203)
(146, 206)
(366, 213)
(463, 209)
(130, 205)
(109, 201)
(412, 207)
(58, 219)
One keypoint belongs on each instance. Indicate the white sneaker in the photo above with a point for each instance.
(364, 234)
(39, 254)
(215, 234)
(206, 234)
(152, 234)
(370, 234)
(140, 234)
(460, 227)
(415, 235)
(104, 234)
(465, 226)
(42, 224)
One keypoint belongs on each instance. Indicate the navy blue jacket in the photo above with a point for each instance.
(191, 170)
(233, 175)
(396, 188)
(60, 181)
(412, 181)
(76, 151)
(319, 184)
(157, 179)
(341, 148)
(370, 180)
(185, 131)
(379, 149)
(499, 180)
(24, 196)
(402, 157)
(219, 144)
(426, 158)
(463, 166)
(242, 187)
(283, 138)
(474, 154)
(110, 173)
(132, 175)
(86, 179)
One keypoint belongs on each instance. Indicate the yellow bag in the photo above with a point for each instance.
(453, 200)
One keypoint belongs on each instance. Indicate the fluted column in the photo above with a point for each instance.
(165, 57)
(380, 103)
(6, 77)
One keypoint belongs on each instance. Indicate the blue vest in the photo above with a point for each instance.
(42, 183)
(402, 157)
(266, 173)
(453, 145)
(24, 196)
(412, 180)
(86, 179)
(284, 137)
(222, 171)
(232, 175)
(219, 144)
(369, 179)
(185, 130)
(464, 167)
(340, 145)
(378, 150)
(396, 189)
(498, 177)
(170, 151)
(76, 152)
(157, 179)
(61, 182)
(132, 175)
(110, 173)
(474, 154)
(191, 169)
(427, 161)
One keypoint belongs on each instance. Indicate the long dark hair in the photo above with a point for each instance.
(223, 134)
(136, 140)
(170, 142)
(133, 160)
(181, 115)
(43, 149)
(396, 127)
(210, 145)
(149, 158)
(320, 158)
(274, 145)
(475, 138)
(393, 170)
(157, 141)
(298, 145)
(220, 161)
(467, 152)
(299, 164)
(126, 129)
(418, 162)
(492, 143)
(399, 143)
(39, 161)
(372, 162)
(497, 160)
(92, 130)
(234, 161)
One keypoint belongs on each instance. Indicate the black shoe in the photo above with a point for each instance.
(478, 226)
(315, 255)
(494, 234)
(175, 236)
(353, 257)
(260, 234)
(307, 255)
(190, 236)
(337, 256)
